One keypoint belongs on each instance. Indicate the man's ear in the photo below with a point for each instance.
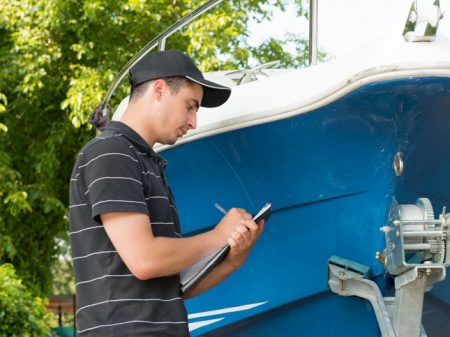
(157, 89)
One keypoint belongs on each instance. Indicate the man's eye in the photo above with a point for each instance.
(190, 108)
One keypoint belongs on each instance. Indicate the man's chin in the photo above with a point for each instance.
(171, 141)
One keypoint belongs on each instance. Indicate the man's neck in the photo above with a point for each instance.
(134, 118)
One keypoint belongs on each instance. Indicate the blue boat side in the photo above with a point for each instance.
(328, 174)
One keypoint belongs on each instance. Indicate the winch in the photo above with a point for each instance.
(414, 237)
(417, 253)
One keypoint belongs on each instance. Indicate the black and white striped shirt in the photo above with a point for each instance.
(118, 172)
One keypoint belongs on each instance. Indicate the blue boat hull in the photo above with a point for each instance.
(329, 176)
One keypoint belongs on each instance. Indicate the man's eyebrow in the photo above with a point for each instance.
(197, 104)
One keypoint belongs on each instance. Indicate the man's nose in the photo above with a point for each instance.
(192, 121)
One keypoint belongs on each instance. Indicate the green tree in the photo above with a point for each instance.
(57, 58)
(21, 313)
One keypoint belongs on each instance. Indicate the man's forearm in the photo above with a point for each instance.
(147, 256)
(168, 256)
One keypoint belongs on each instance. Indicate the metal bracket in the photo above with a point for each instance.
(250, 75)
(423, 20)
(397, 317)
(348, 283)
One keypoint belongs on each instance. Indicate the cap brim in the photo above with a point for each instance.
(214, 94)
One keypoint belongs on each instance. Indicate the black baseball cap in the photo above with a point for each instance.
(174, 63)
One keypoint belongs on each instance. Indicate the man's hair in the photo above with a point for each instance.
(175, 84)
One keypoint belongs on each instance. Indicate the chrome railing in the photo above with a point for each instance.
(313, 26)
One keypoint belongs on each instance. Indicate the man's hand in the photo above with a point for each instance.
(241, 241)
(230, 222)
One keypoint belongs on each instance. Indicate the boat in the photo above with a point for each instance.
(341, 149)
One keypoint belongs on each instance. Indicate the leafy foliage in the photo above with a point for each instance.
(21, 313)
(57, 58)
(63, 282)
(3, 103)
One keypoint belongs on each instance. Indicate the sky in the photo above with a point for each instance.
(345, 25)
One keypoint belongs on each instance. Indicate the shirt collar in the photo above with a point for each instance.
(133, 136)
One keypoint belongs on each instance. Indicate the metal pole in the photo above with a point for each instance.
(313, 24)
(59, 315)
(162, 44)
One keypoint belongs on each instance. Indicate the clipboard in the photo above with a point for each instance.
(190, 276)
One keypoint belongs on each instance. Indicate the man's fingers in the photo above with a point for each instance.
(238, 210)
(233, 244)
(241, 229)
(250, 225)
(261, 226)
(246, 216)
(237, 237)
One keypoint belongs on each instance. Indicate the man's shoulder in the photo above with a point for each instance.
(107, 143)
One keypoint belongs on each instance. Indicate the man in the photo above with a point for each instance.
(126, 244)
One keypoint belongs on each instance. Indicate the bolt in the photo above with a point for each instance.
(385, 229)
(397, 222)
(381, 258)
(428, 270)
(392, 246)
(341, 281)
(397, 233)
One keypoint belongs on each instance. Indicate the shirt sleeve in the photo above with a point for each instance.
(113, 179)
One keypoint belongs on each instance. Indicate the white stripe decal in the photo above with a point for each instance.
(129, 201)
(129, 300)
(197, 325)
(226, 310)
(102, 277)
(109, 154)
(85, 229)
(96, 253)
(129, 322)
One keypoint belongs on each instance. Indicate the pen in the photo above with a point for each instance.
(220, 208)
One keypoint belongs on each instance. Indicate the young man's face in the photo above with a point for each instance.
(179, 112)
